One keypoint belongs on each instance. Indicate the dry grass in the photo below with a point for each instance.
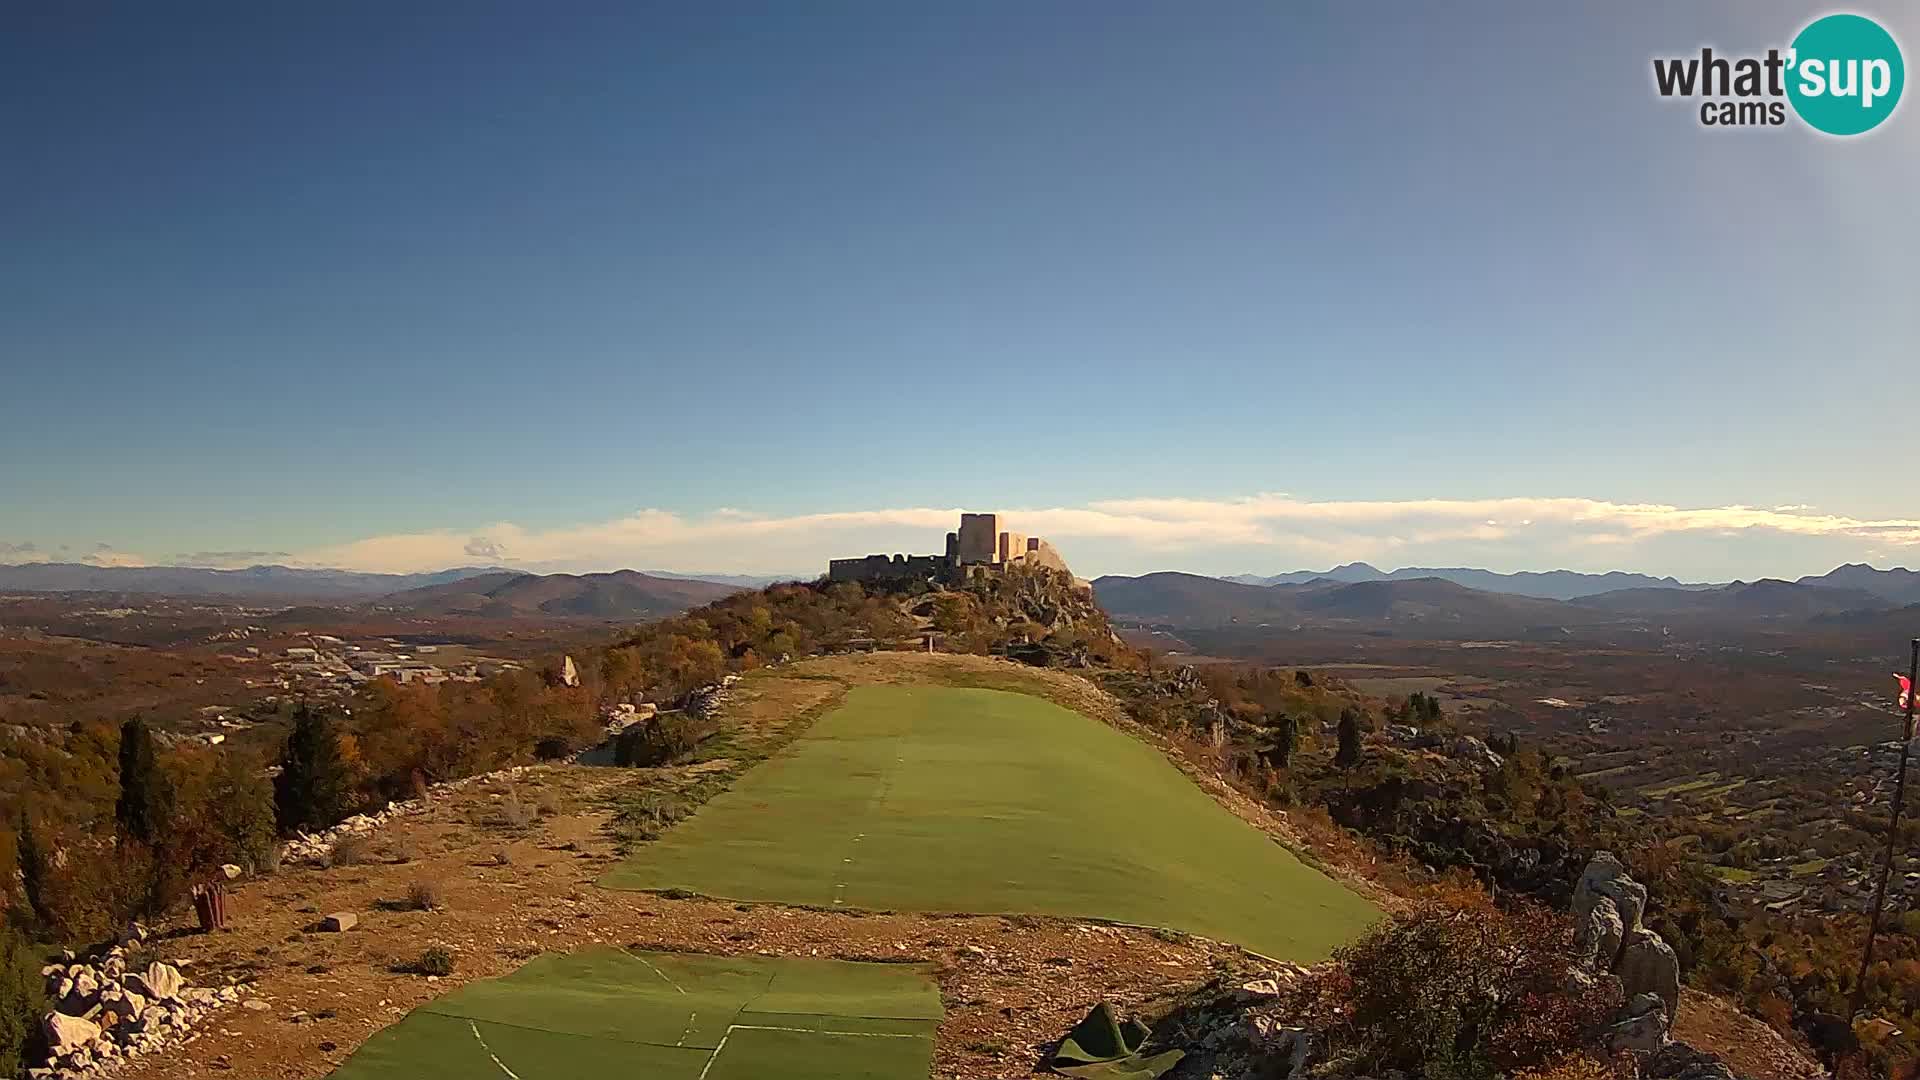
(352, 850)
(426, 896)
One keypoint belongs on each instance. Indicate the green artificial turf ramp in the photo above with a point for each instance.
(983, 801)
(605, 1012)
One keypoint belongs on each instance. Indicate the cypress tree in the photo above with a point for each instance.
(313, 788)
(1286, 734)
(143, 807)
(1349, 753)
(33, 871)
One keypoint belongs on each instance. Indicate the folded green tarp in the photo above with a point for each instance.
(1102, 1048)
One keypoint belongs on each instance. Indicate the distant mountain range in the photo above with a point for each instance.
(1768, 598)
(1361, 594)
(626, 594)
(623, 594)
(1550, 585)
(1190, 599)
(261, 582)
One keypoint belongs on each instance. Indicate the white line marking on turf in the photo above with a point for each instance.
(817, 1031)
(715, 1056)
(691, 1017)
(660, 973)
(475, 1028)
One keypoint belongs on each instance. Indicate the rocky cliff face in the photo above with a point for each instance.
(1609, 939)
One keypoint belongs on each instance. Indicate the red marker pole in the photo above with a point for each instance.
(1893, 835)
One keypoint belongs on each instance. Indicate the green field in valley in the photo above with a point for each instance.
(605, 1012)
(981, 801)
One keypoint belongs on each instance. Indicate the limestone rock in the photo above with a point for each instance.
(1598, 935)
(1641, 1034)
(339, 922)
(1606, 876)
(69, 1034)
(1477, 753)
(1258, 990)
(1648, 966)
(160, 982)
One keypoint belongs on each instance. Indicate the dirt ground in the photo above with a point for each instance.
(1011, 986)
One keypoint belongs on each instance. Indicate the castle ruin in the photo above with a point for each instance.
(979, 546)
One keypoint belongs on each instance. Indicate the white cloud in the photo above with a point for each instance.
(106, 555)
(1133, 532)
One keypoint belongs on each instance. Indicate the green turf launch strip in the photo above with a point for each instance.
(982, 801)
(605, 1012)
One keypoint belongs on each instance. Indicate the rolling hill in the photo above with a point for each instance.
(1192, 600)
(1171, 596)
(1898, 585)
(264, 582)
(1768, 598)
(622, 594)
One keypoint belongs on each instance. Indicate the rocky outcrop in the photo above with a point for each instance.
(1643, 1028)
(1598, 934)
(112, 1007)
(1607, 908)
(1648, 965)
(1605, 876)
(1477, 753)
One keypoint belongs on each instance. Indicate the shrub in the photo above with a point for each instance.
(435, 961)
(82, 887)
(21, 1002)
(1457, 990)
(426, 896)
(352, 850)
(240, 811)
(661, 740)
(1568, 1067)
(514, 813)
(643, 817)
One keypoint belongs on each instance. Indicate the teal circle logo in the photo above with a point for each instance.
(1845, 74)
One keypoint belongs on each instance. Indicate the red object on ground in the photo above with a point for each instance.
(210, 904)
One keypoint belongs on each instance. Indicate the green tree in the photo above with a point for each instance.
(1285, 734)
(314, 788)
(145, 797)
(21, 1000)
(33, 871)
(240, 807)
(1349, 753)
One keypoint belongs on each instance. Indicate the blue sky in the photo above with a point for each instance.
(659, 287)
